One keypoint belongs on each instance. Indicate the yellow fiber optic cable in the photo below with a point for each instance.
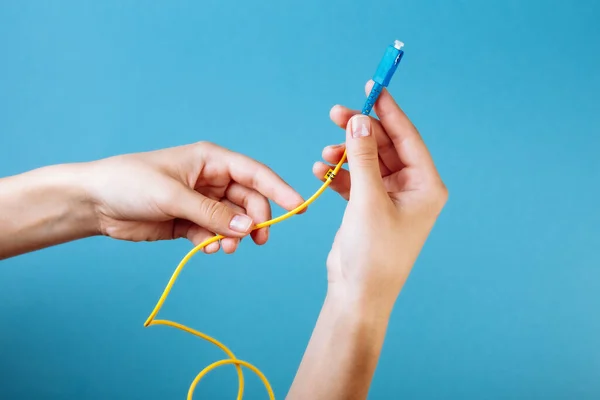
(232, 358)
(381, 79)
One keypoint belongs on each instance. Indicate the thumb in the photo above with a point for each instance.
(363, 159)
(212, 215)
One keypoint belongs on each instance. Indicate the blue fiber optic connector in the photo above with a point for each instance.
(383, 75)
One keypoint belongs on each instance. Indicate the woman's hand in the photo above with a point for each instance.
(395, 195)
(191, 191)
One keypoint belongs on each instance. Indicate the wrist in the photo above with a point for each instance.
(60, 195)
(44, 207)
(76, 181)
(344, 349)
(67, 198)
(358, 307)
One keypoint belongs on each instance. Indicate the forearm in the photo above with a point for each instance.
(343, 352)
(44, 207)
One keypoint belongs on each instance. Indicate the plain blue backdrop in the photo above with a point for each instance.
(504, 301)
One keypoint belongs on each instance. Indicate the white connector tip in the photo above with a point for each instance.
(398, 44)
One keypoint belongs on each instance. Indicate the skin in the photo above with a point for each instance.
(394, 195)
(191, 191)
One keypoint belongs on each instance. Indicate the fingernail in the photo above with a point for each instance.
(335, 146)
(241, 223)
(361, 126)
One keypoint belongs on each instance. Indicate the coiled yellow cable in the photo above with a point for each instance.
(232, 358)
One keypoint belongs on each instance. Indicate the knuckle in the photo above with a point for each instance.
(215, 212)
(439, 195)
(167, 200)
(365, 157)
(441, 191)
(204, 147)
(170, 199)
(208, 208)
(445, 193)
(203, 144)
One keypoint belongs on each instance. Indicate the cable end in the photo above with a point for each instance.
(389, 63)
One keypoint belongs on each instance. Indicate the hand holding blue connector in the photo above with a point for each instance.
(379, 211)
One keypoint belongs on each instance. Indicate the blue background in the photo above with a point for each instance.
(503, 303)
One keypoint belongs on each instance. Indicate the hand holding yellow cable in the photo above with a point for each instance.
(232, 359)
(382, 77)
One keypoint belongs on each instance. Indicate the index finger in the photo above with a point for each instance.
(406, 138)
(255, 175)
